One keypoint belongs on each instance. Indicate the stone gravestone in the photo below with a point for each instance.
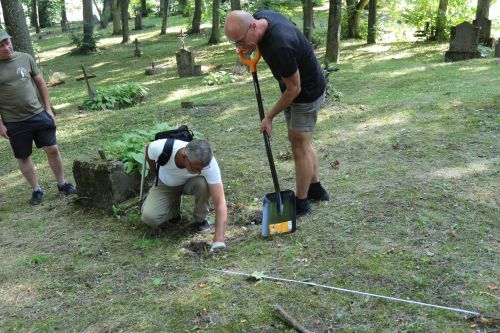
(104, 183)
(154, 69)
(485, 32)
(138, 22)
(137, 51)
(463, 42)
(497, 49)
(185, 60)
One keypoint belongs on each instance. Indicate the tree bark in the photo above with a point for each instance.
(117, 18)
(164, 17)
(441, 20)
(372, 22)
(16, 26)
(43, 14)
(34, 15)
(124, 14)
(333, 34)
(308, 18)
(235, 5)
(215, 37)
(195, 26)
(354, 9)
(106, 13)
(483, 9)
(144, 8)
(88, 44)
(64, 17)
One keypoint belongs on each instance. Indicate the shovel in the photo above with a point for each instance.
(278, 213)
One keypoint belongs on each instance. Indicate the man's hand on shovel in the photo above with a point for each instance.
(266, 125)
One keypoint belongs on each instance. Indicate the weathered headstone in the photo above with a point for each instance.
(463, 43)
(154, 69)
(104, 183)
(185, 60)
(485, 32)
(138, 22)
(137, 51)
(497, 49)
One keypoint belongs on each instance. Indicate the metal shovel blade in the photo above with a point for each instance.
(272, 221)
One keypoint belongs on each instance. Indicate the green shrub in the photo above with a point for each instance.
(130, 148)
(220, 77)
(116, 97)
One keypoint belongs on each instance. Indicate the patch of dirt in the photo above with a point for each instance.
(198, 248)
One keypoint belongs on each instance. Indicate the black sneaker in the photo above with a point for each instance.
(203, 226)
(317, 192)
(67, 188)
(36, 197)
(302, 207)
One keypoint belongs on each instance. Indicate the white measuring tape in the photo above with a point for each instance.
(350, 291)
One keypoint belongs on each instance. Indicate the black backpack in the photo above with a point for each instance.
(182, 133)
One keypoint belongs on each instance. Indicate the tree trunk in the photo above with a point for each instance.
(441, 20)
(43, 14)
(195, 26)
(215, 37)
(333, 34)
(235, 5)
(16, 26)
(88, 44)
(125, 29)
(483, 9)
(106, 13)
(181, 9)
(34, 15)
(117, 18)
(164, 17)
(64, 17)
(144, 8)
(354, 10)
(308, 18)
(372, 22)
(98, 10)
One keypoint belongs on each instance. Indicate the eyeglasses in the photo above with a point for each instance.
(240, 42)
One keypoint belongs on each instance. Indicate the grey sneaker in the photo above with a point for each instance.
(203, 226)
(67, 188)
(36, 197)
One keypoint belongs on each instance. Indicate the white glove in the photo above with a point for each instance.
(217, 246)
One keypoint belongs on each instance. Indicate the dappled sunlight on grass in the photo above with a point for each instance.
(61, 106)
(474, 69)
(60, 51)
(99, 64)
(184, 93)
(393, 119)
(406, 71)
(459, 172)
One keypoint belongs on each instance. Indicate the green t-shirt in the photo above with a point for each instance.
(18, 93)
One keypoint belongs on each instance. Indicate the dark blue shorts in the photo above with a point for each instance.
(39, 128)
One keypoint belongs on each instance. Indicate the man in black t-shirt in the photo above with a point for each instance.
(291, 58)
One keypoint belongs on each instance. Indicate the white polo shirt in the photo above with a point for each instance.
(171, 175)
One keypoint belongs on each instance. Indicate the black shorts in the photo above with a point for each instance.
(39, 128)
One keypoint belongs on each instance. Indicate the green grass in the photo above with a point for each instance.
(414, 209)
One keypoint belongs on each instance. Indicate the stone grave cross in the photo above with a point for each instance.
(90, 90)
(137, 51)
(182, 37)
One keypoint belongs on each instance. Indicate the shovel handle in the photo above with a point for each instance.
(252, 62)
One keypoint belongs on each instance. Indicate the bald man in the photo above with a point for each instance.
(291, 58)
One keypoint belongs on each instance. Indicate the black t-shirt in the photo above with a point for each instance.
(285, 49)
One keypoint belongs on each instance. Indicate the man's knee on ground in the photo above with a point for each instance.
(151, 219)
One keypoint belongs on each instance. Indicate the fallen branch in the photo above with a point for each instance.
(290, 321)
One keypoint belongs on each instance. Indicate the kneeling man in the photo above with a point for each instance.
(193, 170)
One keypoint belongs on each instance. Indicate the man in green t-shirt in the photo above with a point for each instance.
(24, 119)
